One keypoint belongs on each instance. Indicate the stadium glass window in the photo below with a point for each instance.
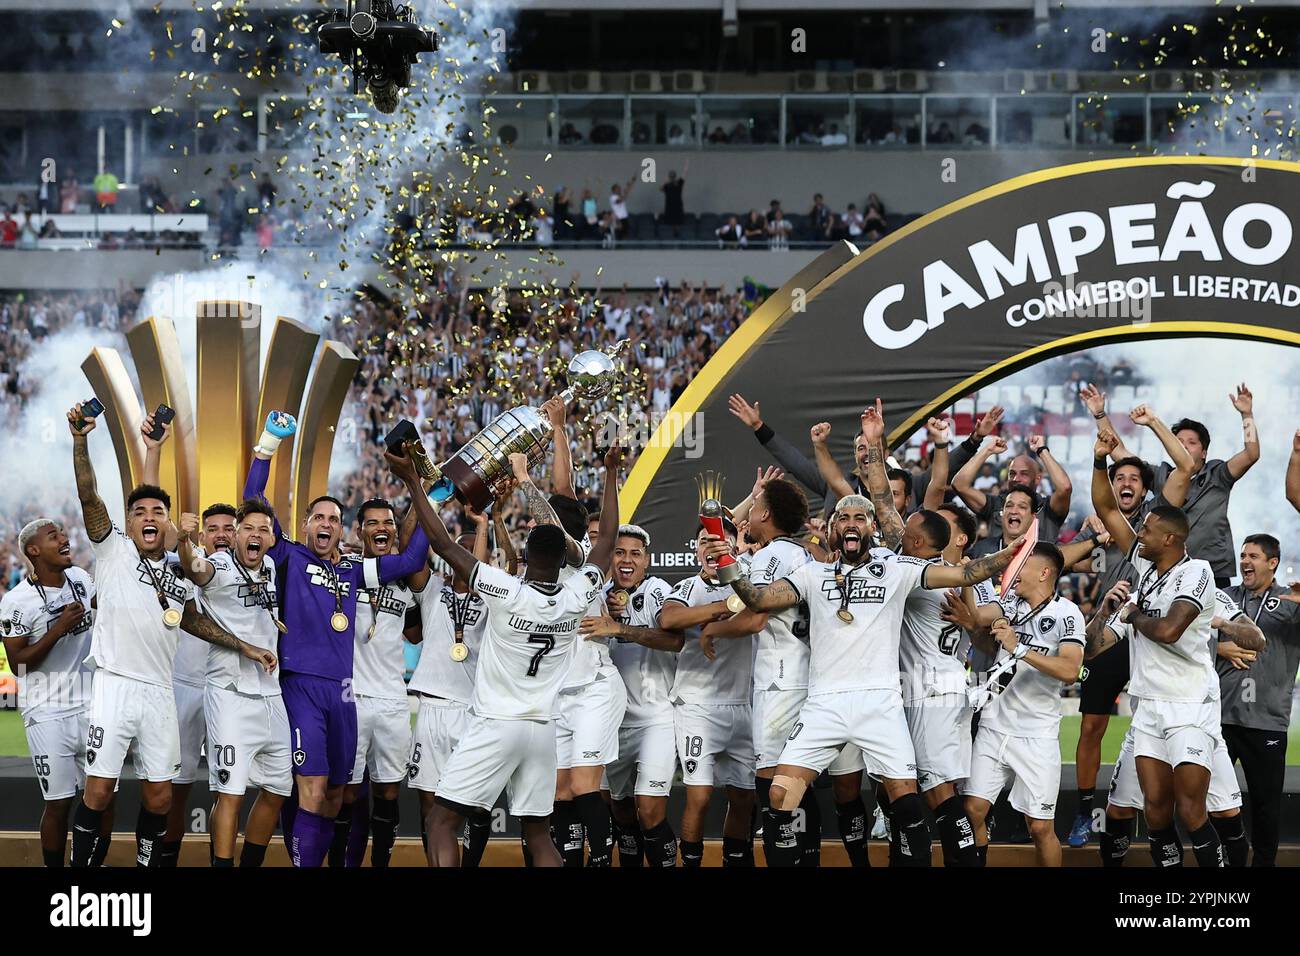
(1110, 119)
(958, 121)
(887, 121)
(818, 122)
(72, 145)
(740, 121)
(167, 133)
(591, 122)
(13, 152)
(223, 128)
(1039, 121)
(288, 123)
(523, 121)
(665, 121)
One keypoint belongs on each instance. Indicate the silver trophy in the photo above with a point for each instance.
(477, 473)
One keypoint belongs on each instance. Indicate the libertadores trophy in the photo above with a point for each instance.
(477, 473)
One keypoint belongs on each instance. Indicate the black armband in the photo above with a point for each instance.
(764, 433)
(1099, 463)
(1099, 416)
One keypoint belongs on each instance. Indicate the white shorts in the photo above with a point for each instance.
(383, 739)
(775, 714)
(439, 726)
(58, 749)
(941, 737)
(1126, 790)
(189, 720)
(248, 742)
(715, 744)
(870, 720)
(586, 729)
(123, 711)
(1031, 764)
(1175, 732)
(647, 759)
(517, 756)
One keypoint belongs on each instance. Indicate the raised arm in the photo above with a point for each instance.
(763, 476)
(1103, 495)
(194, 621)
(1293, 473)
(1244, 403)
(602, 550)
(432, 531)
(963, 483)
(562, 472)
(888, 520)
(502, 535)
(1062, 489)
(972, 572)
(1095, 401)
(1180, 479)
(786, 455)
(939, 431)
(777, 596)
(153, 449)
(193, 565)
(540, 508)
(827, 467)
(93, 511)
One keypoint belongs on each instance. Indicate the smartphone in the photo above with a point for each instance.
(401, 433)
(162, 416)
(90, 408)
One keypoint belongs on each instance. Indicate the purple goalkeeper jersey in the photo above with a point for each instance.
(306, 585)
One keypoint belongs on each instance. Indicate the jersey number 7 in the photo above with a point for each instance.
(548, 644)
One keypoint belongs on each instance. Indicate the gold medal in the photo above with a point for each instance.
(172, 617)
(845, 615)
(734, 604)
(459, 652)
(370, 632)
(281, 626)
(339, 621)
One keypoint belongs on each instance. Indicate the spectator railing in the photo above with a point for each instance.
(77, 230)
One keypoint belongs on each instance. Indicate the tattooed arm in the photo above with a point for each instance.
(93, 511)
(195, 622)
(539, 508)
(972, 572)
(1242, 631)
(882, 496)
(1099, 637)
(777, 596)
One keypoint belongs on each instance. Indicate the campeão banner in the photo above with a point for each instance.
(1047, 263)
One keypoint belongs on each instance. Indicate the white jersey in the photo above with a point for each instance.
(861, 654)
(1027, 702)
(647, 673)
(589, 657)
(728, 679)
(60, 685)
(933, 652)
(440, 609)
(379, 656)
(129, 637)
(781, 657)
(190, 665)
(243, 601)
(531, 631)
(1182, 670)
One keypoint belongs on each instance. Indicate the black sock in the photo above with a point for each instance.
(102, 846)
(53, 859)
(692, 853)
(853, 830)
(169, 854)
(384, 816)
(660, 845)
(631, 845)
(478, 830)
(780, 841)
(252, 854)
(1085, 803)
(339, 844)
(223, 861)
(1115, 841)
(1232, 833)
(1206, 846)
(528, 854)
(424, 835)
(907, 815)
(595, 819)
(149, 831)
(85, 834)
(982, 855)
(955, 832)
(810, 840)
(762, 790)
(737, 851)
(566, 831)
(1165, 848)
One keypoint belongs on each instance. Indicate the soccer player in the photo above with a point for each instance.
(450, 615)
(712, 696)
(216, 533)
(1256, 715)
(1132, 481)
(1212, 480)
(45, 624)
(1177, 728)
(646, 657)
(141, 602)
(248, 731)
(509, 741)
(378, 666)
(318, 598)
(1241, 640)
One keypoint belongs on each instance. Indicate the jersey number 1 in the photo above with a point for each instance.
(548, 644)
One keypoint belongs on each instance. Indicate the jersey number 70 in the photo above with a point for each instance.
(548, 644)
